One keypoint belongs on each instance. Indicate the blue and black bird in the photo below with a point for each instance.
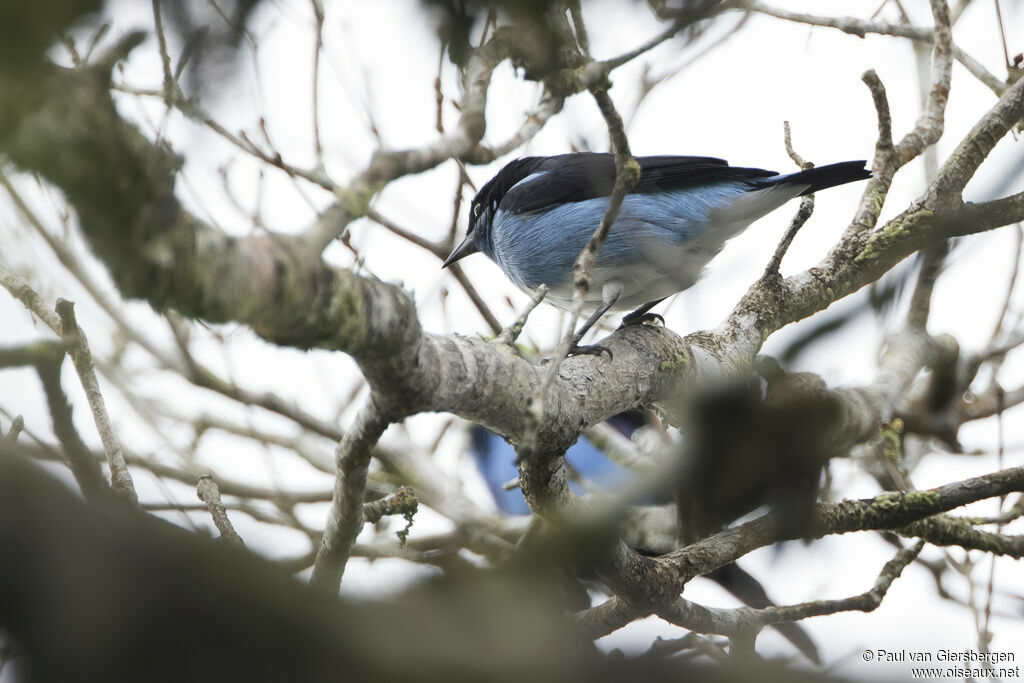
(535, 216)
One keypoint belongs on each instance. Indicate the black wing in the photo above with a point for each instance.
(585, 175)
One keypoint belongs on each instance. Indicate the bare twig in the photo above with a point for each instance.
(81, 357)
(580, 28)
(353, 199)
(745, 620)
(438, 93)
(930, 124)
(771, 271)
(209, 493)
(402, 502)
(318, 15)
(170, 85)
(947, 530)
(787, 139)
(958, 169)
(1015, 511)
(346, 516)
(438, 249)
(549, 105)
(191, 369)
(478, 301)
(441, 250)
(694, 13)
(927, 130)
(627, 173)
(47, 358)
(190, 474)
(1018, 252)
(1002, 35)
(859, 27)
(874, 84)
(17, 427)
(509, 335)
(932, 261)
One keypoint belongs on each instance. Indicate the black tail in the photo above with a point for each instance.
(824, 177)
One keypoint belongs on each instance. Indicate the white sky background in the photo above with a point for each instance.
(379, 61)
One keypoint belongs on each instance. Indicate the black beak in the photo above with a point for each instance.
(467, 247)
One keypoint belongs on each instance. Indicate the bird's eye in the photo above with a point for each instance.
(476, 211)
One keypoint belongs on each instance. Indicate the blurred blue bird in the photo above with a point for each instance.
(495, 459)
(535, 216)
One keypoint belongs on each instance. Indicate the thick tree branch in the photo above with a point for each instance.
(609, 616)
(893, 510)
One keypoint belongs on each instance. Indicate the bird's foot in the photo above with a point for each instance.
(590, 350)
(642, 319)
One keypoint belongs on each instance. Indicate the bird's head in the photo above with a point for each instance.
(481, 212)
(485, 205)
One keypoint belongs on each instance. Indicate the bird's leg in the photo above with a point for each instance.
(610, 293)
(641, 316)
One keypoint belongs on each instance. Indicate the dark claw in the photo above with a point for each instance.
(590, 350)
(641, 319)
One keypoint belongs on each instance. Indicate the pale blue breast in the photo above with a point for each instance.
(540, 247)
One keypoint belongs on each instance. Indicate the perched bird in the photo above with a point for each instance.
(535, 216)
